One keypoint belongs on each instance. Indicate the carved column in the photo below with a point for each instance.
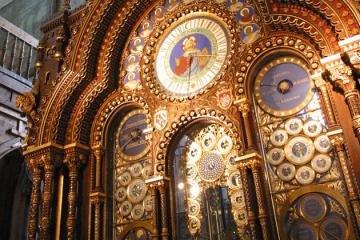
(244, 108)
(75, 156)
(72, 196)
(164, 212)
(97, 196)
(338, 142)
(340, 76)
(46, 197)
(262, 215)
(98, 153)
(325, 97)
(97, 233)
(249, 207)
(155, 234)
(35, 198)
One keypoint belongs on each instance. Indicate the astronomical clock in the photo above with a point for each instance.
(183, 158)
(210, 119)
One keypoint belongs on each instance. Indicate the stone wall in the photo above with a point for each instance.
(28, 15)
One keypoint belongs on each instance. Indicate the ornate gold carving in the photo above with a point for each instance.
(75, 155)
(245, 108)
(327, 103)
(186, 118)
(338, 141)
(35, 197)
(341, 76)
(149, 73)
(114, 102)
(27, 104)
(266, 45)
(78, 90)
(262, 214)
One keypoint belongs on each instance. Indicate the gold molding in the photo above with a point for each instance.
(77, 145)
(247, 156)
(46, 145)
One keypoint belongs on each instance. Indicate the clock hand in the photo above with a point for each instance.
(324, 230)
(268, 85)
(189, 70)
(135, 134)
(203, 55)
(122, 147)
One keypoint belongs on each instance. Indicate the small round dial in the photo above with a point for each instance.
(211, 167)
(299, 150)
(283, 87)
(137, 190)
(131, 137)
(191, 54)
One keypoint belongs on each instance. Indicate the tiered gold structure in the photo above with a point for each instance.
(114, 100)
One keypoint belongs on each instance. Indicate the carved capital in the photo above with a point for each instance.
(350, 54)
(250, 161)
(337, 141)
(356, 121)
(75, 155)
(243, 106)
(157, 182)
(98, 152)
(318, 80)
(341, 76)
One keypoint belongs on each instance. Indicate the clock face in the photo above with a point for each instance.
(191, 55)
(131, 139)
(283, 87)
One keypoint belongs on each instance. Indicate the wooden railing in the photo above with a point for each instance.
(17, 50)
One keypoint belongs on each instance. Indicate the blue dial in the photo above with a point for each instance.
(283, 87)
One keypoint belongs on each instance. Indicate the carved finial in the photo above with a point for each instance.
(66, 5)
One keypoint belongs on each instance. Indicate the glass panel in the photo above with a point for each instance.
(206, 215)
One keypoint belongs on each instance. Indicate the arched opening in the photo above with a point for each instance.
(129, 165)
(296, 147)
(206, 185)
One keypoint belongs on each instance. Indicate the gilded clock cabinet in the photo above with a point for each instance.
(194, 119)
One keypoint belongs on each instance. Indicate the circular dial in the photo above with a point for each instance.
(190, 55)
(131, 138)
(211, 167)
(299, 150)
(283, 87)
(321, 163)
(305, 175)
(137, 190)
(313, 207)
